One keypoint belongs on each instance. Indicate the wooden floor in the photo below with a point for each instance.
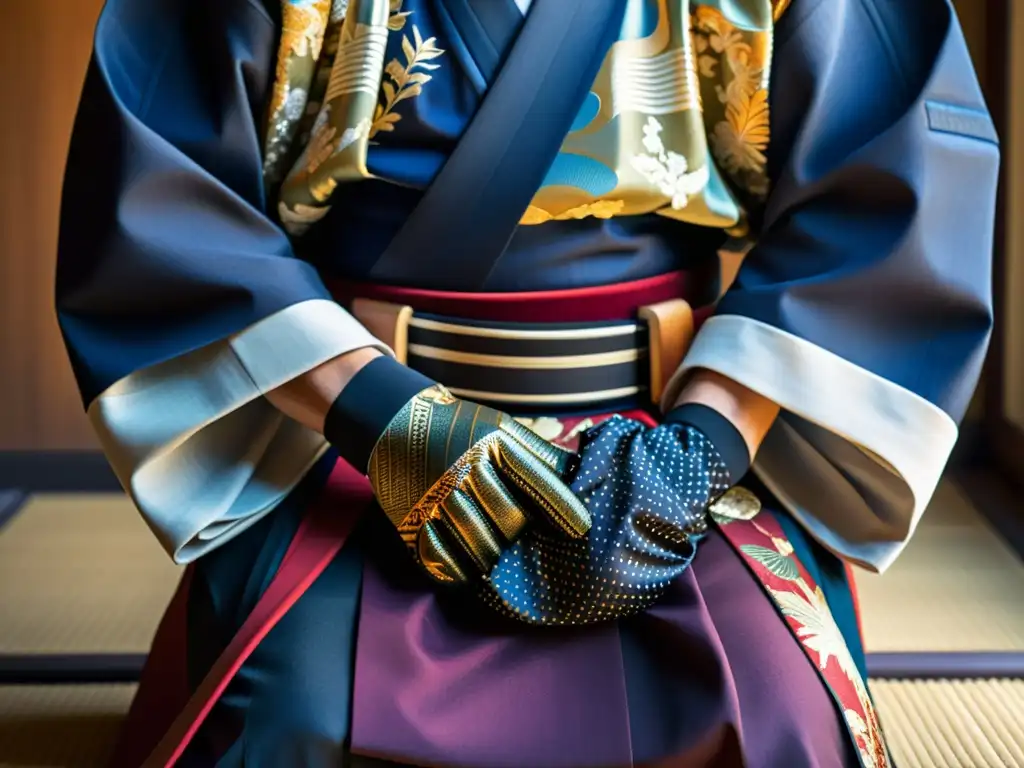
(81, 574)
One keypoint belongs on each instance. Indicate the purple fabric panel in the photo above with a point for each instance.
(787, 716)
(714, 678)
(429, 692)
(730, 682)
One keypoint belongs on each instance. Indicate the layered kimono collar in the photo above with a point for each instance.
(676, 122)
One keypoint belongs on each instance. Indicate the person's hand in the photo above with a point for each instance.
(648, 491)
(461, 482)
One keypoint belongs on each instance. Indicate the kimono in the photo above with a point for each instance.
(238, 168)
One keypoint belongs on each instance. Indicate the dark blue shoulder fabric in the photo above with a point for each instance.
(877, 238)
(164, 243)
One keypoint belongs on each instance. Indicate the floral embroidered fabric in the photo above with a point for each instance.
(763, 545)
(676, 122)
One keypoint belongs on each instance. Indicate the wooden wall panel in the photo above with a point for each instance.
(973, 18)
(44, 48)
(1013, 288)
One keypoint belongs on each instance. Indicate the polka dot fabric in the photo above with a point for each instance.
(647, 491)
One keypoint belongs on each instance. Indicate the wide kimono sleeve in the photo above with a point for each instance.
(864, 309)
(179, 300)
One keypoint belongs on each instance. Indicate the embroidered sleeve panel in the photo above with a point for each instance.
(676, 122)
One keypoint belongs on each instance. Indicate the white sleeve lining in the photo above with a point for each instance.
(200, 451)
(855, 458)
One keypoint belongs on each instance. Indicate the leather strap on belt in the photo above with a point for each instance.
(671, 329)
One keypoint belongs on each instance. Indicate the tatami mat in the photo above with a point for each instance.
(58, 726)
(81, 574)
(953, 724)
(957, 587)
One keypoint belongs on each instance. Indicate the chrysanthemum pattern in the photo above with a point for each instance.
(700, 95)
(734, 74)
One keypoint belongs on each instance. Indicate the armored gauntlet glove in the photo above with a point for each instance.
(459, 481)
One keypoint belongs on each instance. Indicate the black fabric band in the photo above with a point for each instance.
(720, 431)
(367, 405)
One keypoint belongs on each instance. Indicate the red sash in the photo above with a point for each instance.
(769, 555)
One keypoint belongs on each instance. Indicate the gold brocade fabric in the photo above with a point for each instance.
(449, 475)
(676, 122)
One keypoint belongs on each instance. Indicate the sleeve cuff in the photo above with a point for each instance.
(201, 453)
(722, 433)
(854, 457)
(367, 405)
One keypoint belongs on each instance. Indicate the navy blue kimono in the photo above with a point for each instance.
(222, 175)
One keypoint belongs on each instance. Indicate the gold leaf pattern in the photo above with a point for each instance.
(739, 142)
(733, 66)
(397, 21)
(321, 147)
(304, 24)
(302, 35)
(535, 215)
(716, 34)
(599, 209)
(404, 81)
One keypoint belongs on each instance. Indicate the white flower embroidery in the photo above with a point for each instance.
(652, 137)
(668, 171)
(338, 10)
(352, 135)
(817, 628)
(295, 103)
